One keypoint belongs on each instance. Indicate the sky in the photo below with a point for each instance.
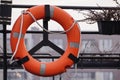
(74, 14)
(66, 2)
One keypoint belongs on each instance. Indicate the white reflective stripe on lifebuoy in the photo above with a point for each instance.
(51, 11)
(74, 44)
(16, 35)
(42, 69)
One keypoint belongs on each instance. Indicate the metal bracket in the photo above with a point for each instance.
(46, 41)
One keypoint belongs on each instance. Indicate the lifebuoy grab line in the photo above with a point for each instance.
(21, 54)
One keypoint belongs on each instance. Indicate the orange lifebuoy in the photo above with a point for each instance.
(46, 68)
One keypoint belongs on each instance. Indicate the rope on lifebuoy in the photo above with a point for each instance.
(25, 12)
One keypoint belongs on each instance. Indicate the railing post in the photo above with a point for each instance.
(5, 52)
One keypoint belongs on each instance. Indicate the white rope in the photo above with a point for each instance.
(1, 49)
(76, 69)
(75, 66)
(51, 31)
(21, 24)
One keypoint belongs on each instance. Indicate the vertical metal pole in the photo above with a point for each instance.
(45, 34)
(60, 77)
(5, 52)
(53, 76)
(45, 23)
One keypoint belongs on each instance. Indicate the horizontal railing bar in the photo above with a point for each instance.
(68, 7)
(65, 7)
(41, 32)
(79, 54)
(41, 56)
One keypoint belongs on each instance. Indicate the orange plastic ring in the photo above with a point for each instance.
(73, 38)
